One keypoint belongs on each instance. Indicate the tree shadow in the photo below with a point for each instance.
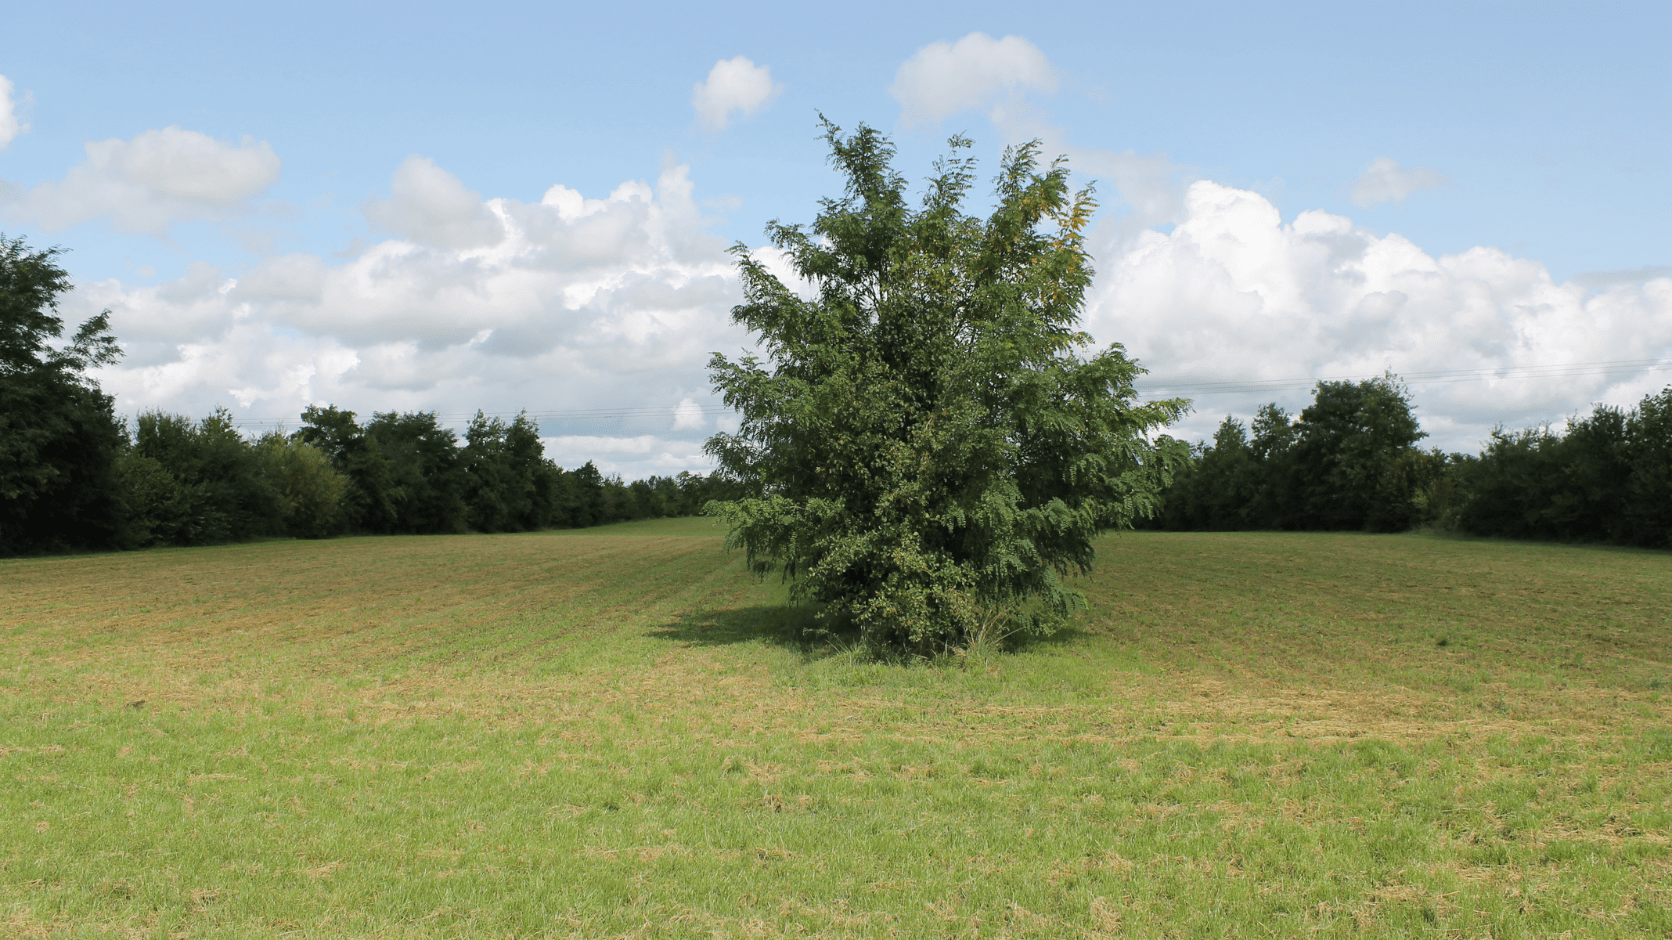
(794, 627)
(1065, 637)
(782, 625)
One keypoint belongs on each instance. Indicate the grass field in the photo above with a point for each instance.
(612, 732)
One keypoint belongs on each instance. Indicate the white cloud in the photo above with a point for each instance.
(942, 78)
(688, 416)
(429, 206)
(581, 309)
(1234, 294)
(1386, 181)
(157, 178)
(576, 307)
(733, 85)
(10, 124)
(1151, 186)
(1606, 279)
(632, 457)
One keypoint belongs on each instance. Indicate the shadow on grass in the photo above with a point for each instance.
(792, 627)
(780, 625)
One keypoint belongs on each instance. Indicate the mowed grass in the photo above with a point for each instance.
(613, 732)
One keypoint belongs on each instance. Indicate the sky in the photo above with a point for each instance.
(527, 207)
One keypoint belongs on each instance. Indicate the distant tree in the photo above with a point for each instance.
(1356, 457)
(426, 468)
(932, 455)
(59, 437)
(1216, 489)
(1646, 513)
(1607, 478)
(197, 483)
(647, 502)
(551, 488)
(585, 497)
(616, 501)
(153, 504)
(1275, 502)
(370, 492)
(1349, 462)
(307, 491)
(499, 476)
(1595, 478)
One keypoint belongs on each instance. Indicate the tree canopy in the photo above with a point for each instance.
(58, 432)
(930, 452)
(1349, 462)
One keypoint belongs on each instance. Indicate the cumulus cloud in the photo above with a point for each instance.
(943, 78)
(688, 416)
(1386, 181)
(153, 180)
(1605, 279)
(1233, 293)
(734, 85)
(1150, 187)
(429, 206)
(10, 124)
(597, 313)
(645, 454)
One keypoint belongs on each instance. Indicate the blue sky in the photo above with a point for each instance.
(1528, 143)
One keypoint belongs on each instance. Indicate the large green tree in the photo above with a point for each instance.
(1349, 462)
(931, 452)
(1356, 454)
(59, 437)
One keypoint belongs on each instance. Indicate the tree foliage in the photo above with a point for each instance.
(406, 473)
(929, 452)
(203, 482)
(59, 437)
(1608, 478)
(1349, 462)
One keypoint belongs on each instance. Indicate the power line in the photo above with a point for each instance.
(1514, 373)
(1182, 386)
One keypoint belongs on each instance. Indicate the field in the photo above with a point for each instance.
(614, 732)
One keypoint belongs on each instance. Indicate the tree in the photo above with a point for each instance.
(929, 453)
(1273, 503)
(59, 437)
(427, 470)
(1647, 511)
(502, 468)
(307, 490)
(585, 499)
(1356, 456)
(207, 484)
(1350, 462)
(1608, 478)
(368, 500)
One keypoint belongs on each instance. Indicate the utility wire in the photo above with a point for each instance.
(1148, 386)
(1517, 373)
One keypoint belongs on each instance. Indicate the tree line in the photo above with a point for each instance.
(1351, 461)
(75, 476)
(190, 483)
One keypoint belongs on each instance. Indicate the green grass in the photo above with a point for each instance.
(613, 732)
